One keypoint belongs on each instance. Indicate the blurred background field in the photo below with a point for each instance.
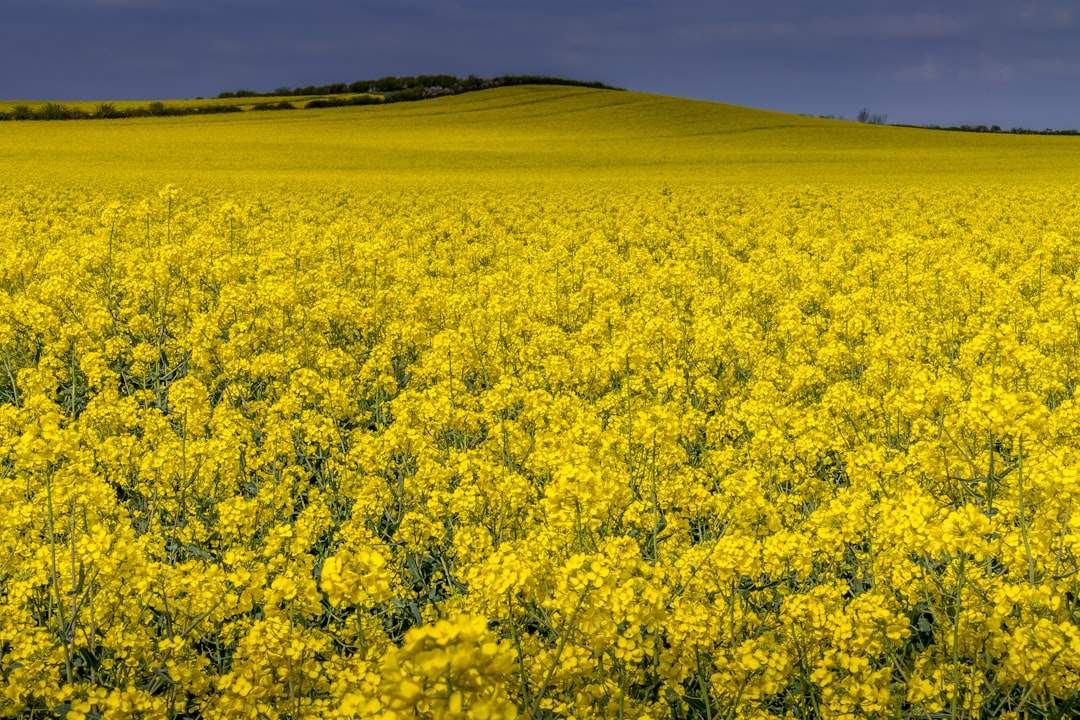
(522, 135)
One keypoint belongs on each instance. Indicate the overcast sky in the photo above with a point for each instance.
(1005, 62)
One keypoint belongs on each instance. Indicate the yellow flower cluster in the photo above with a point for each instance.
(549, 449)
(449, 670)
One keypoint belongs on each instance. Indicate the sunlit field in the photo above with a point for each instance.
(537, 402)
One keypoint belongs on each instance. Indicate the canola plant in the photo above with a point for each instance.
(537, 403)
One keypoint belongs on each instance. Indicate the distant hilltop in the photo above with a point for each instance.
(416, 87)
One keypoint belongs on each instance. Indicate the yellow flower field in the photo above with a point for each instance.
(538, 402)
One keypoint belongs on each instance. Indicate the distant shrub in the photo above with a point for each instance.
(410, 93)
(107, 110)
(473, 83)
(53, 111)
(341, 102)
(206, 110)
(389, 84)
(283, 105)
(865, 116)
(22, 112)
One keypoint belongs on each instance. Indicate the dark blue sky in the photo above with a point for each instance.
(1005, 62)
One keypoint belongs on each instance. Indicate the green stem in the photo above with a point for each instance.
(567, 632)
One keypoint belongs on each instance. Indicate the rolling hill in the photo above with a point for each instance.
(538, 133)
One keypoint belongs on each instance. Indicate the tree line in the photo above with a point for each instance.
(998, 129)
(58, 111)
(865, 116)
(362, 92)
(415, 87)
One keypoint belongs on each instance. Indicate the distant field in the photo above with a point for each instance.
(527, 134)
(537, 401)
